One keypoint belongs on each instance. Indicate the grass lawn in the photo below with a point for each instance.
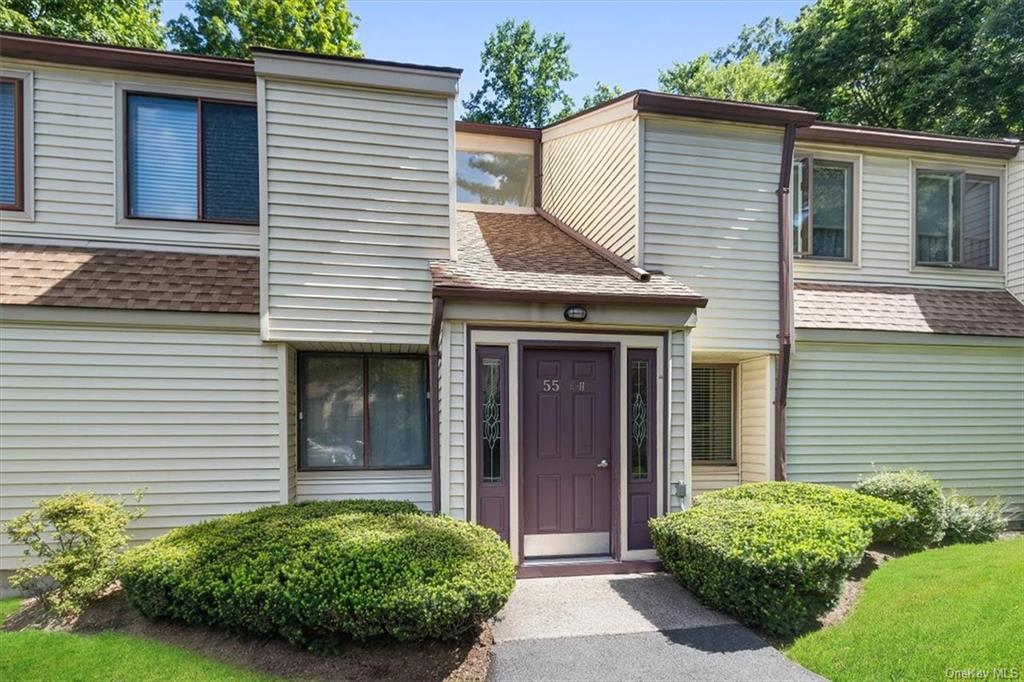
(922, 616)
(37, 655)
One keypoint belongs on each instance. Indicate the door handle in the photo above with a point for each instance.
(603, 464)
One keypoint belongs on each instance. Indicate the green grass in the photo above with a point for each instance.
(35, 655)
(952, 609)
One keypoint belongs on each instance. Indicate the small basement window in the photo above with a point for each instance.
(190, 158)
(363, 411)
(713, 414)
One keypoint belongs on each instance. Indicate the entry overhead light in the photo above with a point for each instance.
(575, 313)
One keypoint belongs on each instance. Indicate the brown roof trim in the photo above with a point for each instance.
(79, 53)
(890, 138)
(352, 60)
(473, 293)
(602, 105)
(494, 129)
(634, 271)
(648, 102)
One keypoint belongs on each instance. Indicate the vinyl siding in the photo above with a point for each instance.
(755, 421)
(590, 181)
(952, 411)
(710, 219)
(453, 420)
(75, 161)
(383, 485)
(709, 478)
(292, 386)
(191, 416)
(678, 378)
(885, 230)
(358, 192)
(1015, 227)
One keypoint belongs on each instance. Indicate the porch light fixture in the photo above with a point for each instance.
(575, 313)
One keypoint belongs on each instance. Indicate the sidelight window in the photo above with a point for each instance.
(639, 419)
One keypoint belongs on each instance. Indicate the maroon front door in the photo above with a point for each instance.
(567, 451)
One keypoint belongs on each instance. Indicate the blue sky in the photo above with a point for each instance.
(620, 43)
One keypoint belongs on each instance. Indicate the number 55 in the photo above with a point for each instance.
(551, 385)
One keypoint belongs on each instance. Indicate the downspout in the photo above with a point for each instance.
(785, 335)
(434, 380)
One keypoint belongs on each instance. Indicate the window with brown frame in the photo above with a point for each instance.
(12, 162)
(956, 219)
(822, 209)
(363, 411)
(191, 158)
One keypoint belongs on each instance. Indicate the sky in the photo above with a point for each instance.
(618, 43)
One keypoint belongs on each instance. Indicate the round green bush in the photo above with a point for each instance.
(881, 518)
(918, 491)
(317, 572)
(772, 566)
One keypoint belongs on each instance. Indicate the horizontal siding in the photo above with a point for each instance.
(710, 220)
(885, 234)
(680, 373)
(590, 181)
(952, 411)
(382, 485)
(75, 164)
(453, 419)
(1015, 227)
(755, 419)
(358, 204)
(707, 479)
(191, 416)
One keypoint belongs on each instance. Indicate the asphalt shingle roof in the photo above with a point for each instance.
(978, 312)
(84, 277)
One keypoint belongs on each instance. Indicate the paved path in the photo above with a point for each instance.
(642, 627)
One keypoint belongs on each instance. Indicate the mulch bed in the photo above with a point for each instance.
(380, 659)
(873, 558)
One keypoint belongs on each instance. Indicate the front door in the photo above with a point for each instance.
(567, 452)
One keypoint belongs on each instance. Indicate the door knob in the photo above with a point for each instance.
(603, 464)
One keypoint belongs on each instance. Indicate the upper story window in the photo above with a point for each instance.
(494, 178)
(190, 158)
(12, 180)
(956, 216)
(823, 208)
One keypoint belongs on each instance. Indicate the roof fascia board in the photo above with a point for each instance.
(866, 336)
(907, 141)
(472, 128)
(592, 119)
(356, 73)
(738, 112)
(470, 293)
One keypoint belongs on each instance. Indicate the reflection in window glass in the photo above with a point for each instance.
(822, 208)
(332, 407)
(494, 179)
(398, 412)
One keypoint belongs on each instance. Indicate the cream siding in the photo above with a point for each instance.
(358, 203)
(188, 414)
(590, 183)
(75, 160)
(413, 485)
(710, 219)
(1015, 227)
(953, 411)
(885, 230)
(292, 427)
(678, 437)
(755, 419)
(709, 478)
(454, 359)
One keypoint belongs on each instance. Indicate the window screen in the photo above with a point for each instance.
(363, 411)
(230, 173)
(712, 412)
(10, 100)
(495, 179)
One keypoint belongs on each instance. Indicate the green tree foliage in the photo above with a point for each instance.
(602, 93)
(133, 23)
(227, 28)
(523, 77)
(950, 66)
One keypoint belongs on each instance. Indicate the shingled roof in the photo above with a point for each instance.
(524, 256)
(977, 312)
(82, 277)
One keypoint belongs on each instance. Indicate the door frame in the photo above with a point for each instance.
(614, 468)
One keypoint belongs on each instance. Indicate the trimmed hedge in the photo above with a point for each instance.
(918, 491)
(314, 572)
(882, 518)
(772, 566)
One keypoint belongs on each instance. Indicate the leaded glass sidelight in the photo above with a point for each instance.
(490, 419)
(639, 419)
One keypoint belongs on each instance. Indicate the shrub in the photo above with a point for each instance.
(919, 492)
(316, 571)
(771, 566)
(73, 541)
(881, 518)
(967, 521)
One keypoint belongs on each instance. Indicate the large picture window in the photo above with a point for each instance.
(956, 219)
(713, 414)
(363, 412)
(11, 154)
(191, 158)
(823, 209)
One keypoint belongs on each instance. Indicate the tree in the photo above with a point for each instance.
(132, 23)
(949, 66)
(601, 94)
(523, 78)
(227, 28)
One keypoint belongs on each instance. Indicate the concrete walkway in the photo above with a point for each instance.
(636, 627)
